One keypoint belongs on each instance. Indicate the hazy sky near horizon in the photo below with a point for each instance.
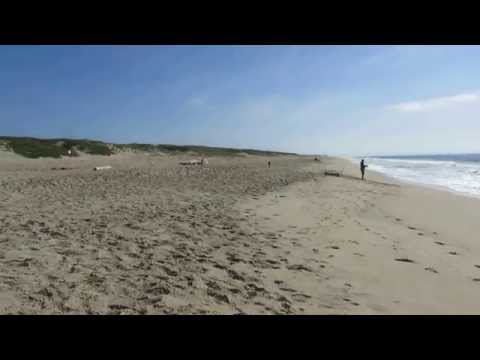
(340, 100)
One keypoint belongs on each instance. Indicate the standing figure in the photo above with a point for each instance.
(268, 164)
(362, 168)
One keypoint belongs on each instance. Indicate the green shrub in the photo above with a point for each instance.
(55, 148)
(34, 148)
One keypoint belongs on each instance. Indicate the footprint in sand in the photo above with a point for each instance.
(405, 260)
(439, 243)
(301, 297)
(476, 279)
(477, 266)
(287, 289)
(453, 253)
(299, 267)
(431, 270)
(420, 234)
(351, 302)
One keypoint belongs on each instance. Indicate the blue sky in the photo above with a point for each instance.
(340, 100)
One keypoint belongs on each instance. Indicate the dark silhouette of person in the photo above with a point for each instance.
(269, 164)
(362, 168)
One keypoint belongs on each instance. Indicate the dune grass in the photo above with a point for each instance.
(34, 148)
(55, 148)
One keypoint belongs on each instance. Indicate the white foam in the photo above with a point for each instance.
(457, 176)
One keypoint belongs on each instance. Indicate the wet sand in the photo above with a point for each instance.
(376, 246)
(152, 237)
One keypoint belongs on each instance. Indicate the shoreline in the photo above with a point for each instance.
(367, 247)
(413, 183)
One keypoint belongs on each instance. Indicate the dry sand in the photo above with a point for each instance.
(153, 237)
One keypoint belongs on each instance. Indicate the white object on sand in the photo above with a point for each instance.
(194, 162)
(102, 167)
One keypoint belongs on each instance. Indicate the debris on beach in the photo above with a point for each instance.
(332, 173)
(102, 167)
(195, 162)
(405, 260)
(62, 168)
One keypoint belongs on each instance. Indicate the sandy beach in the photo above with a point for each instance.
(150, 236)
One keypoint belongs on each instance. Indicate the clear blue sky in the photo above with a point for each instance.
(344, 100)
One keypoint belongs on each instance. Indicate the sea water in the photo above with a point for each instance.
(459, 172)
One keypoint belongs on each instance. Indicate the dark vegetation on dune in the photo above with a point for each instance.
(56, 148)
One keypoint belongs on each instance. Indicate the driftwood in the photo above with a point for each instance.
(102, 167)
(62, 168)
(332, 173)
(194, 162)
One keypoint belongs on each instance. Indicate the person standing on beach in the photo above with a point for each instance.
(269, 164)
(362, 168)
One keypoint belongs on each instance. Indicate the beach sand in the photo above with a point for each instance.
(152, 237)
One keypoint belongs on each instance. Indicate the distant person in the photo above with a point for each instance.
(362, 168)
(268, 164)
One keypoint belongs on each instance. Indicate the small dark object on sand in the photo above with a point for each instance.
(332, 173)
(404, 260)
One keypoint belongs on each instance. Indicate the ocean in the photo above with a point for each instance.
(459, 172)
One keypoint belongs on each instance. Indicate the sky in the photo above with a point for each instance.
(337, 100)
